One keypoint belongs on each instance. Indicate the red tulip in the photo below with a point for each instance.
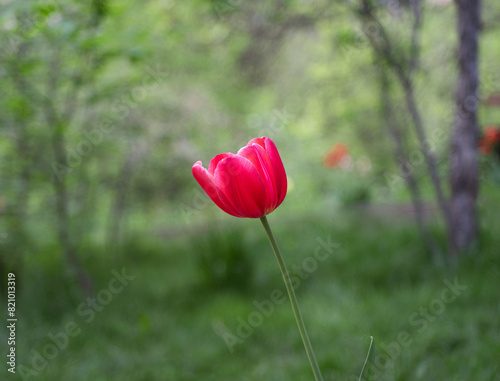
(251, 183)
(336, 154)
(490, 138)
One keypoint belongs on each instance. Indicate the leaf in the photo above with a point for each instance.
(370, 356)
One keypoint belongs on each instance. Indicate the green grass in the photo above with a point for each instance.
(161, 326)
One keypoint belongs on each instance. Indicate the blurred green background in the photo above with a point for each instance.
(106, 105)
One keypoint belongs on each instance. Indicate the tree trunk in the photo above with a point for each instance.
(401, 157)
(61, 194)
(121, 191)
(464, 172)
(404, 67)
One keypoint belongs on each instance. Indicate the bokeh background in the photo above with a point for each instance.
(125, 270)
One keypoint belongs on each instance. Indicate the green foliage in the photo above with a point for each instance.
(162, 324)
(223, 260)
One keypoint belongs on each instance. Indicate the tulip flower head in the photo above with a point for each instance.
(490, 139)
(334, 157)
(251, 183)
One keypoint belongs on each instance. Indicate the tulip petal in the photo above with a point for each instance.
(259, 141)
(240, 185)
(216, 160)
(259, 158)
(278, 169)
(206, 180)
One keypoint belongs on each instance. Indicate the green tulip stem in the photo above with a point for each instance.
(293, 300)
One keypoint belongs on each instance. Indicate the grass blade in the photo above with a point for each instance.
(370, 356)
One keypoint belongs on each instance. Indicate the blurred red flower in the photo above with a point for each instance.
(333, 157)
(490, 138)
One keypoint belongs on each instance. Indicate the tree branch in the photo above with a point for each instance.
(384, 49)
